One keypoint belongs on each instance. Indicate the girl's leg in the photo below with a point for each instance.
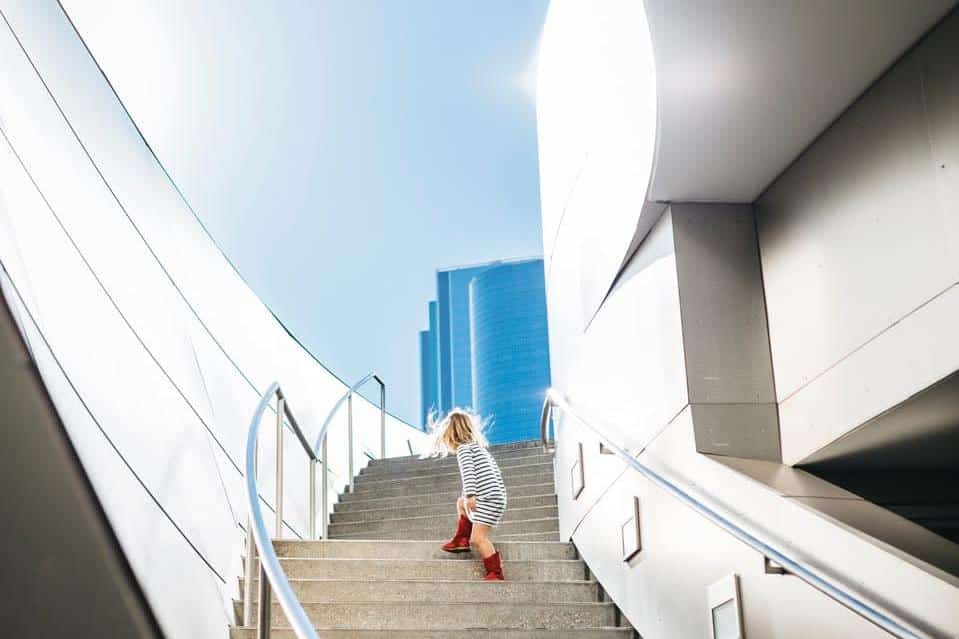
(492, 561)
(460, 506)
(480, 542)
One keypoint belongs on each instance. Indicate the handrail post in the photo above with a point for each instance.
(263, 621)
(280, 404)
(544, 419)
(324, 493)
(250, 558)
(312, 498)
(382, 419)
(349, 431)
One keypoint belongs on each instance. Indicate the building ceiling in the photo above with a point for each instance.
(744, 86)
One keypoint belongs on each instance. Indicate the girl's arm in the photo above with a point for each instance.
(467, 470)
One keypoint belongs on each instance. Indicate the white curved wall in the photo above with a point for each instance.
(596, 119)
(153, 348)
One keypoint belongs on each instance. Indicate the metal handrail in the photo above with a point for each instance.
(321, 447)
(888, 621)
(271, 574)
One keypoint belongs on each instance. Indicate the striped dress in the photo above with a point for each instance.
(483, 480)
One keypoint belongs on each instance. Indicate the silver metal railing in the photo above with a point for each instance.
(888, 621)
(258, 542)
(321, 437)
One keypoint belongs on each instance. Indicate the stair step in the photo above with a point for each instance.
(447, 496)
(417, 550)
(451, 473)
(390, 569)
(422, 633)
(454, 616)
(536, 536)
(495, 449)
(435, 537)
(446, 521)
(456, 591)
(442, 483)
(436, 528)
(391, 511)
(439, 464)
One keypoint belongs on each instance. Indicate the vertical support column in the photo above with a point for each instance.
(280, 406)
(382, 420)
(312, 498)
(349, 435)
(250, 557)
(324, 492)
(263, 625)
(725, 336)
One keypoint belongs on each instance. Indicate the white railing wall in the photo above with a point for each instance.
(154, 349)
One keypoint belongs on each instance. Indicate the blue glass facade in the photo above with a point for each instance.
(429, 367)
(489, 346)
(510, 348)
(427, 375)
(461, 360)
(444, 373)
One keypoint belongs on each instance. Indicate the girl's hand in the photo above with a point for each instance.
(471, 504)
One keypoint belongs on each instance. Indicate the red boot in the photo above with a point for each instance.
(494, 568)
(461, 540)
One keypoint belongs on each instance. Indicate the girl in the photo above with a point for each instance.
(484, 495)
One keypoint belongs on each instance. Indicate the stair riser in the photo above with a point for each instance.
(453, 616)
(434, 570)
(450, 475)
(495, 449)
(386, 512)
(370, 499)
(442, 591)
(416, 550)
(438, 529)
(445, 521)
(448, 464)
(476, 633)
(442, 484)
(436, 537)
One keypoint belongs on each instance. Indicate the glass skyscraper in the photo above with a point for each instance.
(487, 346)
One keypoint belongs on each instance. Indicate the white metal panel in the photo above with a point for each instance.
(663, 589)
(914, 353)
(630, 371)
(149, 538)
(596, 121)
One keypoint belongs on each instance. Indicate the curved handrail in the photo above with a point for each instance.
(871, 612)
(269, 563)
(258, 539)
(336, 407)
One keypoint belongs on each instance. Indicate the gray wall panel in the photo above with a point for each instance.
(857, 237)
(723, 307)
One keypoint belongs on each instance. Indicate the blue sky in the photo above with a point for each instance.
(340, 152)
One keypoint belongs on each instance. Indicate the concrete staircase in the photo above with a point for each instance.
(382, 574)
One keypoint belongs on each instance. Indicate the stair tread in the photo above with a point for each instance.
(526, 490)
(447, 516)
(504, 632)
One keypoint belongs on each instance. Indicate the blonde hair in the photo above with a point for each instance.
(460, 426)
